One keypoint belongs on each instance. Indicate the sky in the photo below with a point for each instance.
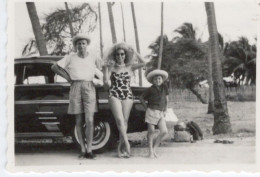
(233, 20)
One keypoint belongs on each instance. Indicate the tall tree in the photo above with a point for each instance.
(100, 30)
(221, 117)
(136, 41)
(112, 23)
(211, 93)
(123, 20)
(69, 19)
(185, 62)
(240, 60)
(40, 41)
(57, 29)
(161, 40)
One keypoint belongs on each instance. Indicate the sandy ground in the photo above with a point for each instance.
(242, 151)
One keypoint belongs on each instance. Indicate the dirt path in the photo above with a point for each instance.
(202, 152)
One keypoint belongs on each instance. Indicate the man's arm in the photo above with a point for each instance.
(58, 70)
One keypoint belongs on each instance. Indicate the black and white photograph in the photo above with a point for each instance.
(132, 86)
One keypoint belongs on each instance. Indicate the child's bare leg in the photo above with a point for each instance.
(163, 132)
(150, 137)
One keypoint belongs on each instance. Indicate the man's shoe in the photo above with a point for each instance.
(90, 155)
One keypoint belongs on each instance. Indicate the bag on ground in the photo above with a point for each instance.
(182, 136)
(194, 130)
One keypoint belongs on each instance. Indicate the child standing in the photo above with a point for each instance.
(157, 98)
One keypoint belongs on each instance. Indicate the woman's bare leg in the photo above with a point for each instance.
(127, 107)
(117, 110)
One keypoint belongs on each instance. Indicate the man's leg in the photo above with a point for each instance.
(89, 102)
(79, 123)
(89, 130)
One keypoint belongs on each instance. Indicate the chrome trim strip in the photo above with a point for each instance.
(43, 112)
(47, 118)
(44, 85)
(50, 123)
(101, 101)
(42, 102)
(38, 134)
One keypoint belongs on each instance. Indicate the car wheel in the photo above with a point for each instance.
(103, 137)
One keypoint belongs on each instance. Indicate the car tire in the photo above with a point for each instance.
(104, 135)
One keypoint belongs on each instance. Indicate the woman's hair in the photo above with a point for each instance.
(129, 52)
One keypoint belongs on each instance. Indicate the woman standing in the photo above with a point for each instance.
(117, 77)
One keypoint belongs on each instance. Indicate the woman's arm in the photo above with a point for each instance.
(58, 70)
(138, 65)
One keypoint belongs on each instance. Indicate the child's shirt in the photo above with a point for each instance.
(79, 68)
(156, 97)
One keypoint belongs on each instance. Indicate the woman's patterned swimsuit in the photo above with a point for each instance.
(120, 86)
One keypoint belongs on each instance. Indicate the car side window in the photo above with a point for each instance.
(34, 80)
(34, 73)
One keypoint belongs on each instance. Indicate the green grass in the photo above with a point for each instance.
(242, 117)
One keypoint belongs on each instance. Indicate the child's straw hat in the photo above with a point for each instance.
(157, 72)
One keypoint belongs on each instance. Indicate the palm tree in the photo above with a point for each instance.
(161, 41)
(240, 59)
(186, 30)
(136, 41)
(69, 18)
(211, 93)
(100, 30)
(40, 41)
(111, 20)
(123, 20)
(221, 118)
(184, 60)
(57, 30)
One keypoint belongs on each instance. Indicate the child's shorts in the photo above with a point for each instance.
(153, 116)
(82, 98)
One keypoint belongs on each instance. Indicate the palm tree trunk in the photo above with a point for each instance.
(136, 41)
(161, 40)
(112, 24)
(70, 21)
(196, 93)
(211, 93)
(221, 118)
(123, 19)
(40, 41)
(100, 30)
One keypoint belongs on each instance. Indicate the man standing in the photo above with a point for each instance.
(79, 69)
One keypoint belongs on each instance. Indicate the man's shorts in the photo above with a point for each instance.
(82, 98)
(153, 116)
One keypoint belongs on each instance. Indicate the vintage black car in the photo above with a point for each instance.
(41, 103)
